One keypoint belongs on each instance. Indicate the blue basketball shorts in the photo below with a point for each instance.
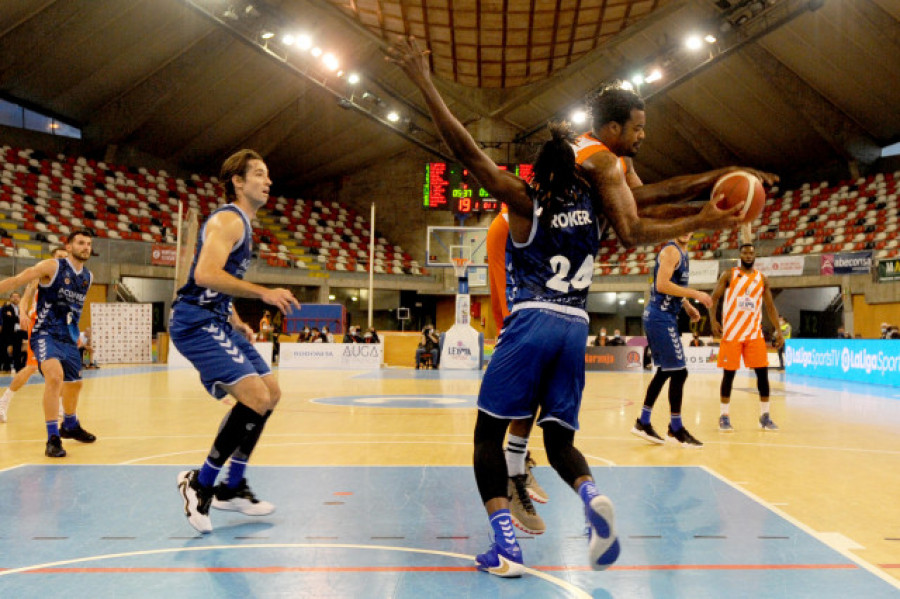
(46, 348)
(538, 363)
(664, 339)
(221, 355)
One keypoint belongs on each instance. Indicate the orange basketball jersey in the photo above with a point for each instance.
(497, 234)
(742, 312)
(586, 145)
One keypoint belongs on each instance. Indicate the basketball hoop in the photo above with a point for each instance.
(460, 264)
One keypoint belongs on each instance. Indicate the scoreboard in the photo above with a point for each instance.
(450, 186)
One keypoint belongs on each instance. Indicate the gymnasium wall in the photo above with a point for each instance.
(867, 318)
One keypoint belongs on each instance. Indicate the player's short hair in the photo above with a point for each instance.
(236, 164)
(83, 232)
(746, 244)
(613, 104)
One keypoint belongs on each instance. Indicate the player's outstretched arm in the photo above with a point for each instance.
(688, 187)
(412, 59)
(44, 269)
(617, 203)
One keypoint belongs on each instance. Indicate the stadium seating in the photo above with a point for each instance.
(44, 198)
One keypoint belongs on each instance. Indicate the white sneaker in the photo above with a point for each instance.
(240, 500)
(4, 405)
(196, 500)
(604, 548)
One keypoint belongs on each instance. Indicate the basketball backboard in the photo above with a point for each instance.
(445, 243)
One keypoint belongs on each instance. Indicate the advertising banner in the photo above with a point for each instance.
(851, 263)
(612, 358)
(779, 266)
(875, 361)
(163, 255)
(701, 359)
(703, 271)
(889, 270)
(346, 356)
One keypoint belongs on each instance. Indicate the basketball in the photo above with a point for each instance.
(741, 186)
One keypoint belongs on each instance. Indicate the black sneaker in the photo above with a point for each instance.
(54, 448)
(646, 432)
(240, 500)
(77, 433)
(685, 438)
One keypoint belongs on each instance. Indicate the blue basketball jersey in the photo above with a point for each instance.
(556, 265)
(60, 302)
(664, 302)
(236, 265)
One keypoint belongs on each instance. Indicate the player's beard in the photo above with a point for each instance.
(748, 265)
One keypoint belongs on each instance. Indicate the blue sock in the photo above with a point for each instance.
(70, 421)
(676, 422)
(504, 533)
(235, 473)
(52, 428)
(208, 474)
(645, 414)
(588, 491)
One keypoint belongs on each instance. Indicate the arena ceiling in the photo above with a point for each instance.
(788, 86)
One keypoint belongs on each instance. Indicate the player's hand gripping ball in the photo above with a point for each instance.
(737, 187)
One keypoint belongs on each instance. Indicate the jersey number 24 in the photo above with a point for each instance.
(561, 267)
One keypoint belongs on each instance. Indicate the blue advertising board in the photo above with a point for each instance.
(875, 361)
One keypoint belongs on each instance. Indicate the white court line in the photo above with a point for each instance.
(566, 586)
(822, 537)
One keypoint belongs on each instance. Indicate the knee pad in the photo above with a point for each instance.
(762, 381)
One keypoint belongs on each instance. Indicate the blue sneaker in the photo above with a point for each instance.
(603, 547)
(725, 424)
(765, 423)
(505, 562)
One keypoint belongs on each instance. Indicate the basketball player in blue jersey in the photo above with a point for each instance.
(207, 331)
(668, 295)
(63, 287)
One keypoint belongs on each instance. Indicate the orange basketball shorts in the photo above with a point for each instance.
(754, 353)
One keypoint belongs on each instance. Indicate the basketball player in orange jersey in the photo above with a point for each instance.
(746, 290)
(27, 318)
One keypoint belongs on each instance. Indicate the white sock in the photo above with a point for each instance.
(723, 409)
(763, 408)
(7, 396)
(516, 447)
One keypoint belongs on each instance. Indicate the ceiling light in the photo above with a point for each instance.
(330, 61)
(710, 39)
(354, 299)
(230, 14)
(693, 42)
(621, 302)
(353, 79)
(304, 42)
(288, 40)
(640, 300)
(331, 296)
(393, 117)
(637, 80)
(579, 116)
(317, 52)
(654, 75)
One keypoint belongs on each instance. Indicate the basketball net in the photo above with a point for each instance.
(459, 266)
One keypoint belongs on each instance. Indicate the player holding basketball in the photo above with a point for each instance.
(746, 290)
(208, 332)
(668, 295)
(555, 225)
(64, 283)
(27, 318)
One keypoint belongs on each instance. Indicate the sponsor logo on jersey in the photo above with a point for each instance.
(575, 218)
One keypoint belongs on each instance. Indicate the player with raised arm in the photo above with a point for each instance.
(208, 331)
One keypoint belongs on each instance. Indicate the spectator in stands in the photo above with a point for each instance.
(697, 341)
(10, 344)
(893, 332)
(303, 336)
(371, 336)
(353, 335)
(885, 327)
(428, 344)
(326, 335)
(601, 339)
(277, 330)
(842, 334)
(785, 328)
(315, 336)
(265, 327)
(617, 338)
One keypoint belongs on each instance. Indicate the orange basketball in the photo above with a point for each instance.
(741, 186)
